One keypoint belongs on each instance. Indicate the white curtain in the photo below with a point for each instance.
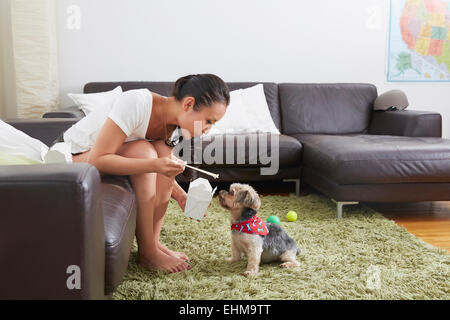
(6, 70)
(2, 88)
(33, 24)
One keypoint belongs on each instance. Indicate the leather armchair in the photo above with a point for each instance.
(60, 223)
(50, 220)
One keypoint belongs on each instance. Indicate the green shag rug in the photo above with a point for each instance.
(362, 256)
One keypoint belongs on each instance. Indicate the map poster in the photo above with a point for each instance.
(419, 41)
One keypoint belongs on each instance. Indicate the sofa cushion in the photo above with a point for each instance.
(7, 159)
(366, 159)
(88, 102)
(242, 150)
(248, 112)
(165, 88)
(119, 211)
(271, 93)
(326, 108)
(73, 112)
(44, 130)
(244, 175)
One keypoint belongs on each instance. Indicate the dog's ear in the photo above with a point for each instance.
(240, 196)
(248, 199)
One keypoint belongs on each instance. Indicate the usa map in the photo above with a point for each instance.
(419, 41)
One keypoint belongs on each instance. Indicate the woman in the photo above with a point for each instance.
(118, 145)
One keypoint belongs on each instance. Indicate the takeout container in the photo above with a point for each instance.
(199, 197)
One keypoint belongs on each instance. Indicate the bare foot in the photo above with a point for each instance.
(176, 254)
(159, 260)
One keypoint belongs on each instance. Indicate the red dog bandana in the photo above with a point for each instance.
(253, 226)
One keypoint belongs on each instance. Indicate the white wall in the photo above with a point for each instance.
(240, 40)
(8, 107)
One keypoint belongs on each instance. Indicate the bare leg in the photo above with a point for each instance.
(164, 186)
(144, 186)
(150, 204)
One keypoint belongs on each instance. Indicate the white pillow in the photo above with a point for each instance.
(248, 112)
(89, 101)
(17, 143)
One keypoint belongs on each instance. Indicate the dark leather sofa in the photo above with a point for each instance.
(331, 139)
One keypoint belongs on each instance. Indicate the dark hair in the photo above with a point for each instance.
(205, 88)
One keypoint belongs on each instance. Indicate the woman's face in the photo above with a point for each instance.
(199, 122)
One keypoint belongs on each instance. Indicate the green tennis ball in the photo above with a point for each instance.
(273, 219)
(291, 216)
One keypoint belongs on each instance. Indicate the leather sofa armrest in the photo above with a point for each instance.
(50, 219)
(408, 123)
(69, 112)
(45, 130)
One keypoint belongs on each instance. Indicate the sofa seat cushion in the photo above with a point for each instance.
(368, 159)
(245, 150)
(119, 212)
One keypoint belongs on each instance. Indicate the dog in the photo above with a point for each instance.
(261, 242)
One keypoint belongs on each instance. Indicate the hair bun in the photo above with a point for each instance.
(206, 89)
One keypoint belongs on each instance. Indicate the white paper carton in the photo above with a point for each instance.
(59, 152)
(199, 197)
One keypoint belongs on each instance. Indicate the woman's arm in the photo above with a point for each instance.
(103, 156)
(179, 195)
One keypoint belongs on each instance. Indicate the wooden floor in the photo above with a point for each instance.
(429, 221)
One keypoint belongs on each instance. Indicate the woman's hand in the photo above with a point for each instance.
(170, 166)
(182, 201)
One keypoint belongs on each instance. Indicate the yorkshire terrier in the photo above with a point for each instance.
(261, 242)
